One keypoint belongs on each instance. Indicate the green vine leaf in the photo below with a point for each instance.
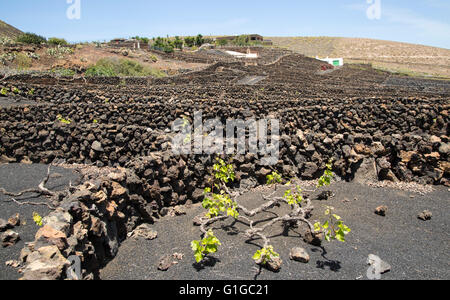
(206, 246)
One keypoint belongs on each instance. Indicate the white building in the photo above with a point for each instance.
(337, 62)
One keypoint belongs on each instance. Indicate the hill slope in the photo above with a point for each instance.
(9, 31)
(392, 56)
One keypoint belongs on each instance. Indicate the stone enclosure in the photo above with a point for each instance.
(373, 125)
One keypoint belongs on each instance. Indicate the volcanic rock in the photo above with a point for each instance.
(425, 215)
(299, 254)
(381, 210)
(9, 238)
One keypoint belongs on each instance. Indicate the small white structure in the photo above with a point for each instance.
(337, 62)
(242, 55)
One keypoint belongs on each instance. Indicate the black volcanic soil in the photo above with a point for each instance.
(415, 249)
(15, 178)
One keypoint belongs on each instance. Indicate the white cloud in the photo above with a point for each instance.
(423, 26)
(420, 28)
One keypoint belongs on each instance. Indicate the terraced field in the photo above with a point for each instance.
(372, 124)
(415, 60)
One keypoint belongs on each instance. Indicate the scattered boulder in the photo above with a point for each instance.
(165, 262)
(274, 264)
(380, 266)
(9, 238)
(178, 256)
(4, 225)
(313, 238)
(299, 254)
(14, 220)
(168, 261)
(425, 215)
(176, 211)
(13, 264)
(144, 231)
(325, 195)
(381, 210)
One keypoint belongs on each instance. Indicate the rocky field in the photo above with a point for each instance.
(372, 124)
(417, 60)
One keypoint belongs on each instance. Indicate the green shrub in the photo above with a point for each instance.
(63, 72)
(37, 219)
(31, 38)
(163, 44)
(189, 41)
(6, 58)
(244, 40)
(33, 55)
(208, 41)
(110, 67)
(206, 246)
(23, 61)
(153, 58)
(57, 41)
(221, 42)
(199, 40)
(142, 39)
(178, 43)
(59, 52)
(102, 68)
(6, 41)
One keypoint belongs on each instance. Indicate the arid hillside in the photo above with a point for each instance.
(77, 58)
(393, 56)
(7, 30)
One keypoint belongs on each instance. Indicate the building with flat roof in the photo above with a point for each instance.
(128, 43)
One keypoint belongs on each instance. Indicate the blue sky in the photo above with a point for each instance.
(415, 21)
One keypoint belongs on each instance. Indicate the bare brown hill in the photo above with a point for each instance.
(9, 31)
(405, 58)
